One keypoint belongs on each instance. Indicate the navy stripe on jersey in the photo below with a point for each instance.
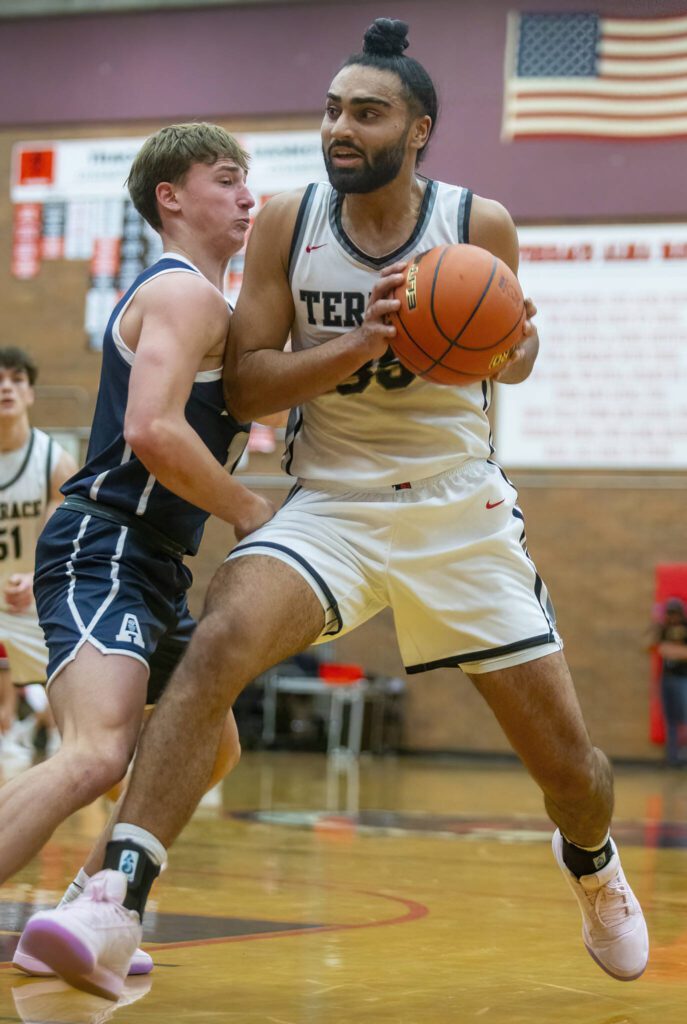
(113, 474)
(292, 493)
(487, 391)
(377, 262)
(300, 225)
(48, 471)
(293, 426)
(464, 216)
(5, 484)
(540, 591)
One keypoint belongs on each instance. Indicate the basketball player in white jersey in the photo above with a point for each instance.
(33, 467)
(397, 502)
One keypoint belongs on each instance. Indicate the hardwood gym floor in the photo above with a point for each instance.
(398, 890)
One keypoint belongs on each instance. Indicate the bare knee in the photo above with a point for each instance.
(93, 770)
(581, 782)
(224, 655)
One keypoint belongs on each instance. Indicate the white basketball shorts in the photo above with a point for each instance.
(25, 643)
(448, 555)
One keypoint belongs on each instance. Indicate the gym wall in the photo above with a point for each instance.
(595, 539)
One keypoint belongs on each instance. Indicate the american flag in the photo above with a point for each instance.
(583, 75)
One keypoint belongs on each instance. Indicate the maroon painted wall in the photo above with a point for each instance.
(265, 60)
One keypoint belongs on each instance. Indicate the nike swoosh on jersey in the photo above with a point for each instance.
(493, 504)
(311, 248)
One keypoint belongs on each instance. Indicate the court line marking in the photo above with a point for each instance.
(415, 912)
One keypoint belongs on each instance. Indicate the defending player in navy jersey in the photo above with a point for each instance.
(397, 503)
(110, 581)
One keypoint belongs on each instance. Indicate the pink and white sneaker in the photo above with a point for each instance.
(89, 942)
(613, 927)
(141, 963)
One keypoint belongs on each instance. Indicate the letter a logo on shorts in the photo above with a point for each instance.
(130, 631)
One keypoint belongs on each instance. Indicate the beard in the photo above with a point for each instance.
(371, 174)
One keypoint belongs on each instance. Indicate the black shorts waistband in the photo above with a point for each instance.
(148, 534)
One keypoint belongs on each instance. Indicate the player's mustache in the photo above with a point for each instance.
(346, 146)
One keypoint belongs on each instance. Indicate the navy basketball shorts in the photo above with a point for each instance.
(101, 583)
(448, 555)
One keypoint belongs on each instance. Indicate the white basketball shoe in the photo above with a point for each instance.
(613, 926)
(141, 963)
(90, 941)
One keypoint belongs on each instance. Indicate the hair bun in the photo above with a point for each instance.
(386, 38)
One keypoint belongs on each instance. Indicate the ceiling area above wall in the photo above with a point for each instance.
(39, 8)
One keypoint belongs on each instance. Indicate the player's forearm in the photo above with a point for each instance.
(266, 381)
(179, 460)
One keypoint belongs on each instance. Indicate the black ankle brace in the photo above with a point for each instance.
(586, 862)
(136, 863)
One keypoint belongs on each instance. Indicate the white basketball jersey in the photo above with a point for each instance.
(382, 426)
(24, 495)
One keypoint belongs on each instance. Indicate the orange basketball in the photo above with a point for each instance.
(462, 311)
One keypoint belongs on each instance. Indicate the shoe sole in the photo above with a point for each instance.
(35, 969)
(29, 965)
(618, 977)
(69, 958)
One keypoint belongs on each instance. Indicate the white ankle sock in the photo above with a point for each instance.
(153, 847)
(594, 849)
(75, 888)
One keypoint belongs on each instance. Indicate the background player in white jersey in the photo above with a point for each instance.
(397, 503)
(110, 579)
(33, 467)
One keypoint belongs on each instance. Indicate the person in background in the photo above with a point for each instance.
(670, 642)
(33, 467)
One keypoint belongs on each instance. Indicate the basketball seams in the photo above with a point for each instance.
(508, 333)
(417, 345)
(462, 376)
(454, 341)
(435, 277)
(491, 309)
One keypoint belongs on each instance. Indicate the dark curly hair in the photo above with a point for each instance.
(383, 46)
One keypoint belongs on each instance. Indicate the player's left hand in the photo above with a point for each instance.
(522, 358)
(19, 591)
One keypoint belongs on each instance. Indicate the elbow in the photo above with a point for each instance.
(241, 412)
(244, 389)
(149, 443)
(237, 404)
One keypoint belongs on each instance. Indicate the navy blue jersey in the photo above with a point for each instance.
(113, 475)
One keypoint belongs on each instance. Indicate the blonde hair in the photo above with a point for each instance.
(169, 154)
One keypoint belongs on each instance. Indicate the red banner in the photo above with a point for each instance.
(671, 581)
